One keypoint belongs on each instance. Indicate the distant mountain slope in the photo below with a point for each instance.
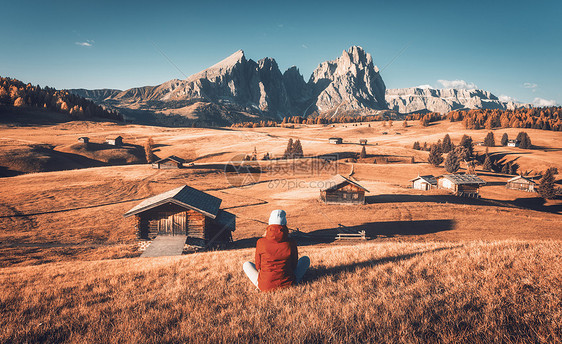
(238, 89)
(414, 99)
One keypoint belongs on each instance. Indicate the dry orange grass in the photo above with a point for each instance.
(473, 292)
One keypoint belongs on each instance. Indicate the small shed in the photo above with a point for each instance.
(340, 189)
(426, 182)
(521, 183)
(513, 143)
(363, 142)
(114, 140)
(335, 140)
(466, 185)
(187, 212)
(169, 163)
(84, 139)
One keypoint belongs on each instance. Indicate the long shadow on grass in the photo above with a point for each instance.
(372, 230)
(316, 273)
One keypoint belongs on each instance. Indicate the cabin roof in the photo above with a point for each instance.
(463, 178)
(428, 178)
(113, 137)
(184, 196)
(337, 181)
(171, 158)
(335, 138)
(226, 219)
(523, 179)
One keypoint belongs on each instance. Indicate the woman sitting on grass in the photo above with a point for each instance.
(277, 264)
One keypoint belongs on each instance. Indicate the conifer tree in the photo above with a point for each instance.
(447, 145)
(435, 156)
(452, 163)
(297, 149)
(149, 150)
(363, 153)
(289, 150)
(505, 139)
(524, 140)
(487, 165)
(546, 184)
(466, 142)
(489, 141)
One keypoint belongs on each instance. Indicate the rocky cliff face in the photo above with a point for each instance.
(240, 89)
(259, 88)
(351, 81)
(408, 100)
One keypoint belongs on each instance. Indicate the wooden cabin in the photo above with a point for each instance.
(513, 143)
(335, 140)
(84, 139)
(466, 185)
(521, 183)
(114, 141)
(363, 142)
(169, 163)
(187, 212)
(340, 189)
(425, 183)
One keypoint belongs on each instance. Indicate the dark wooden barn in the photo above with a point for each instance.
(466, 185)
(335, 140)
(114, 141)
(170, 162)
(425, 183)
(521, 183)
(187, 212)
(340, 189)
(84, 139)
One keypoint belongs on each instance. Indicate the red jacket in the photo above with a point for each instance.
(276, 258)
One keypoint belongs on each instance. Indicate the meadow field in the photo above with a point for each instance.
(436, 268)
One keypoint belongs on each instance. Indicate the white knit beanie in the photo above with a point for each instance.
(278, 217)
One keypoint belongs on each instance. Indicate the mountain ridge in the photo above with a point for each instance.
(245, 90)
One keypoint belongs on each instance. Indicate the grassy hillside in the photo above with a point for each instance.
(473, 292)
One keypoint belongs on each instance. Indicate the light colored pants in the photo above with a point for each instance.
(302, 265)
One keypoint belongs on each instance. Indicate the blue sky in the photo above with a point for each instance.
(510, 48)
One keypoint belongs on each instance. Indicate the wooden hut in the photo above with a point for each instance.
(521, 183)
(363, 142)
(426, 182)
(184, 211)
(513, 143)
(168, 163)
(335, 140)
(84, 139)
(114, 140)
(340, 189)
(466, 185)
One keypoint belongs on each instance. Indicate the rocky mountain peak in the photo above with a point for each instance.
(351, 81)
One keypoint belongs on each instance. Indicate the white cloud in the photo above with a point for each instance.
(87, 43)
(304, 46)
(530, 85)
(425, 86)
(458, 84)
(544, 102)
(505, 98)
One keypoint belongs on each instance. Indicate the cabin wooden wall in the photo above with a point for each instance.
(171, 219)
(524, 186)
(169, 165)
(346, 194)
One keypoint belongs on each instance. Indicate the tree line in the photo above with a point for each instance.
(546, 118)
(16, 94)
